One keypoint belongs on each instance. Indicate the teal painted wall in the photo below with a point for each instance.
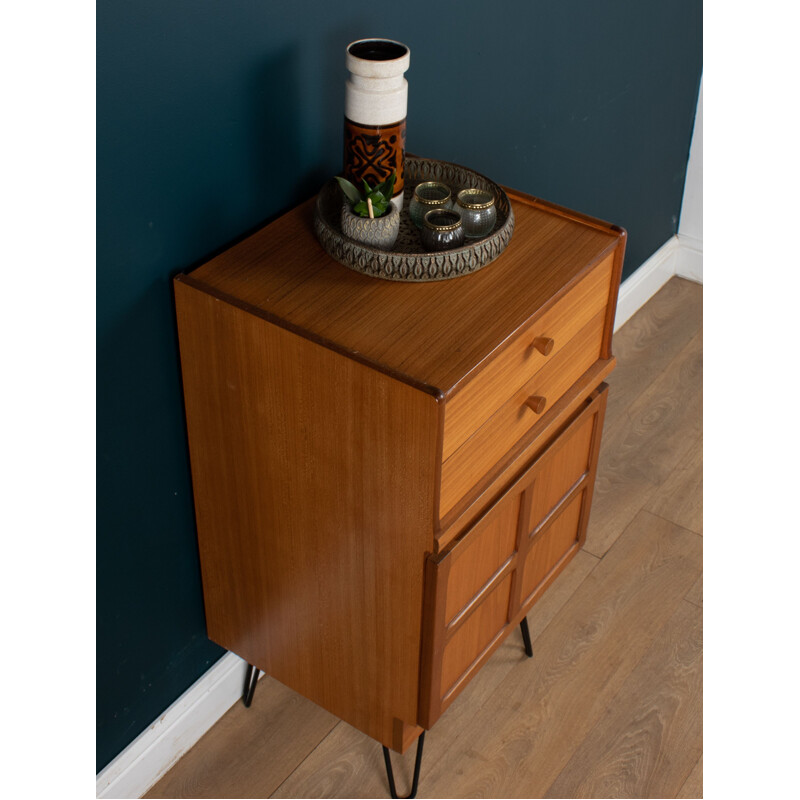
(213, 117)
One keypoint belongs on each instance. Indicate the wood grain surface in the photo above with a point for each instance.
(478, 397)
(481, 554)
(314, 510)
(565, 468)
(650, 341)
(546, 550)
(474, 636)
(355, 762)
(431, 334)
(527, 731)
(693, 787)
(514, 421)
(506, 561)
(520, 457)
(658, 711)
(645, 443)
(695, 594)
(680, 498)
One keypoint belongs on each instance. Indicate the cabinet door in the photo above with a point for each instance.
(479, 589)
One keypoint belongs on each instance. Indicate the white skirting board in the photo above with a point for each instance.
(156, 749)
(690, 258)
(679, 255)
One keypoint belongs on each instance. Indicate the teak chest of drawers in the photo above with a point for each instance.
(388, 475)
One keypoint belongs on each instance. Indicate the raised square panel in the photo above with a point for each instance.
(551, 545)
(472, 639)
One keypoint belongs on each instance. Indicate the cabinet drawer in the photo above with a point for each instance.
(481, 586)
(515, 419)
(482, 395)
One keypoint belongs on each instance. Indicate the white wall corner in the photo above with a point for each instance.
(140, 765)
(689, 258)
(638, 288)
(690, 228)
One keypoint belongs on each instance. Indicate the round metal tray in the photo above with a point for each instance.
(408, 261)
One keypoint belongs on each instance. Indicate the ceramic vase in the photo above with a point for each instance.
(376, 102)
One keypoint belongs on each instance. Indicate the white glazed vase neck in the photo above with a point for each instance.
(375, 108)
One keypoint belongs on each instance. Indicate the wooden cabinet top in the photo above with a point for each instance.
(431, 335)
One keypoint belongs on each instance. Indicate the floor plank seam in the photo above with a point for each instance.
(672, 522)
(691, 603)
(600, 558)
(537, 636)
(688, 778)
(307, 756)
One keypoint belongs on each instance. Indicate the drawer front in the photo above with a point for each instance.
(478, 589)
(515, 420)
(528, 352)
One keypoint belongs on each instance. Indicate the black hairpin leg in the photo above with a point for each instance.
(417, 763)
(250, 681)
(526, 637)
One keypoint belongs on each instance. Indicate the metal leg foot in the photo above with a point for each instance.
(417, 763)
(250, 681)
(526, 637)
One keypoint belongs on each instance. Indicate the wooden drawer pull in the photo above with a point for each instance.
(544, 344)
(536, 403)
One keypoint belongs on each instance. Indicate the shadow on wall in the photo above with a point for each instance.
(150, 626)
(150, 623)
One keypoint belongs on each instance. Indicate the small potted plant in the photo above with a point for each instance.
(370, 216)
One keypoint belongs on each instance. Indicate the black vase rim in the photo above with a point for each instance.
(377, 49)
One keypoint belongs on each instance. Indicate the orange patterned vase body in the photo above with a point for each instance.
(374, 153)
(376, 101)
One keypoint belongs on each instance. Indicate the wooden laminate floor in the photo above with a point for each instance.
(611, 703)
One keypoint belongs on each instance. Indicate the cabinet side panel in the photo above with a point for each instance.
(313, 478)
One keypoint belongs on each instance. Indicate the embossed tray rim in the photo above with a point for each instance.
(416, 266)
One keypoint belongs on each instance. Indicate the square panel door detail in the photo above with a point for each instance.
(483, 584)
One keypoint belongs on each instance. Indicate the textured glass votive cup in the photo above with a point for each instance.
(478, 212)
(441, 230)
(429, 196)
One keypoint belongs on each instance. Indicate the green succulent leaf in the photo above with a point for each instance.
(350, 191)
(381, 196)
(386, 188)
(376, 197)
